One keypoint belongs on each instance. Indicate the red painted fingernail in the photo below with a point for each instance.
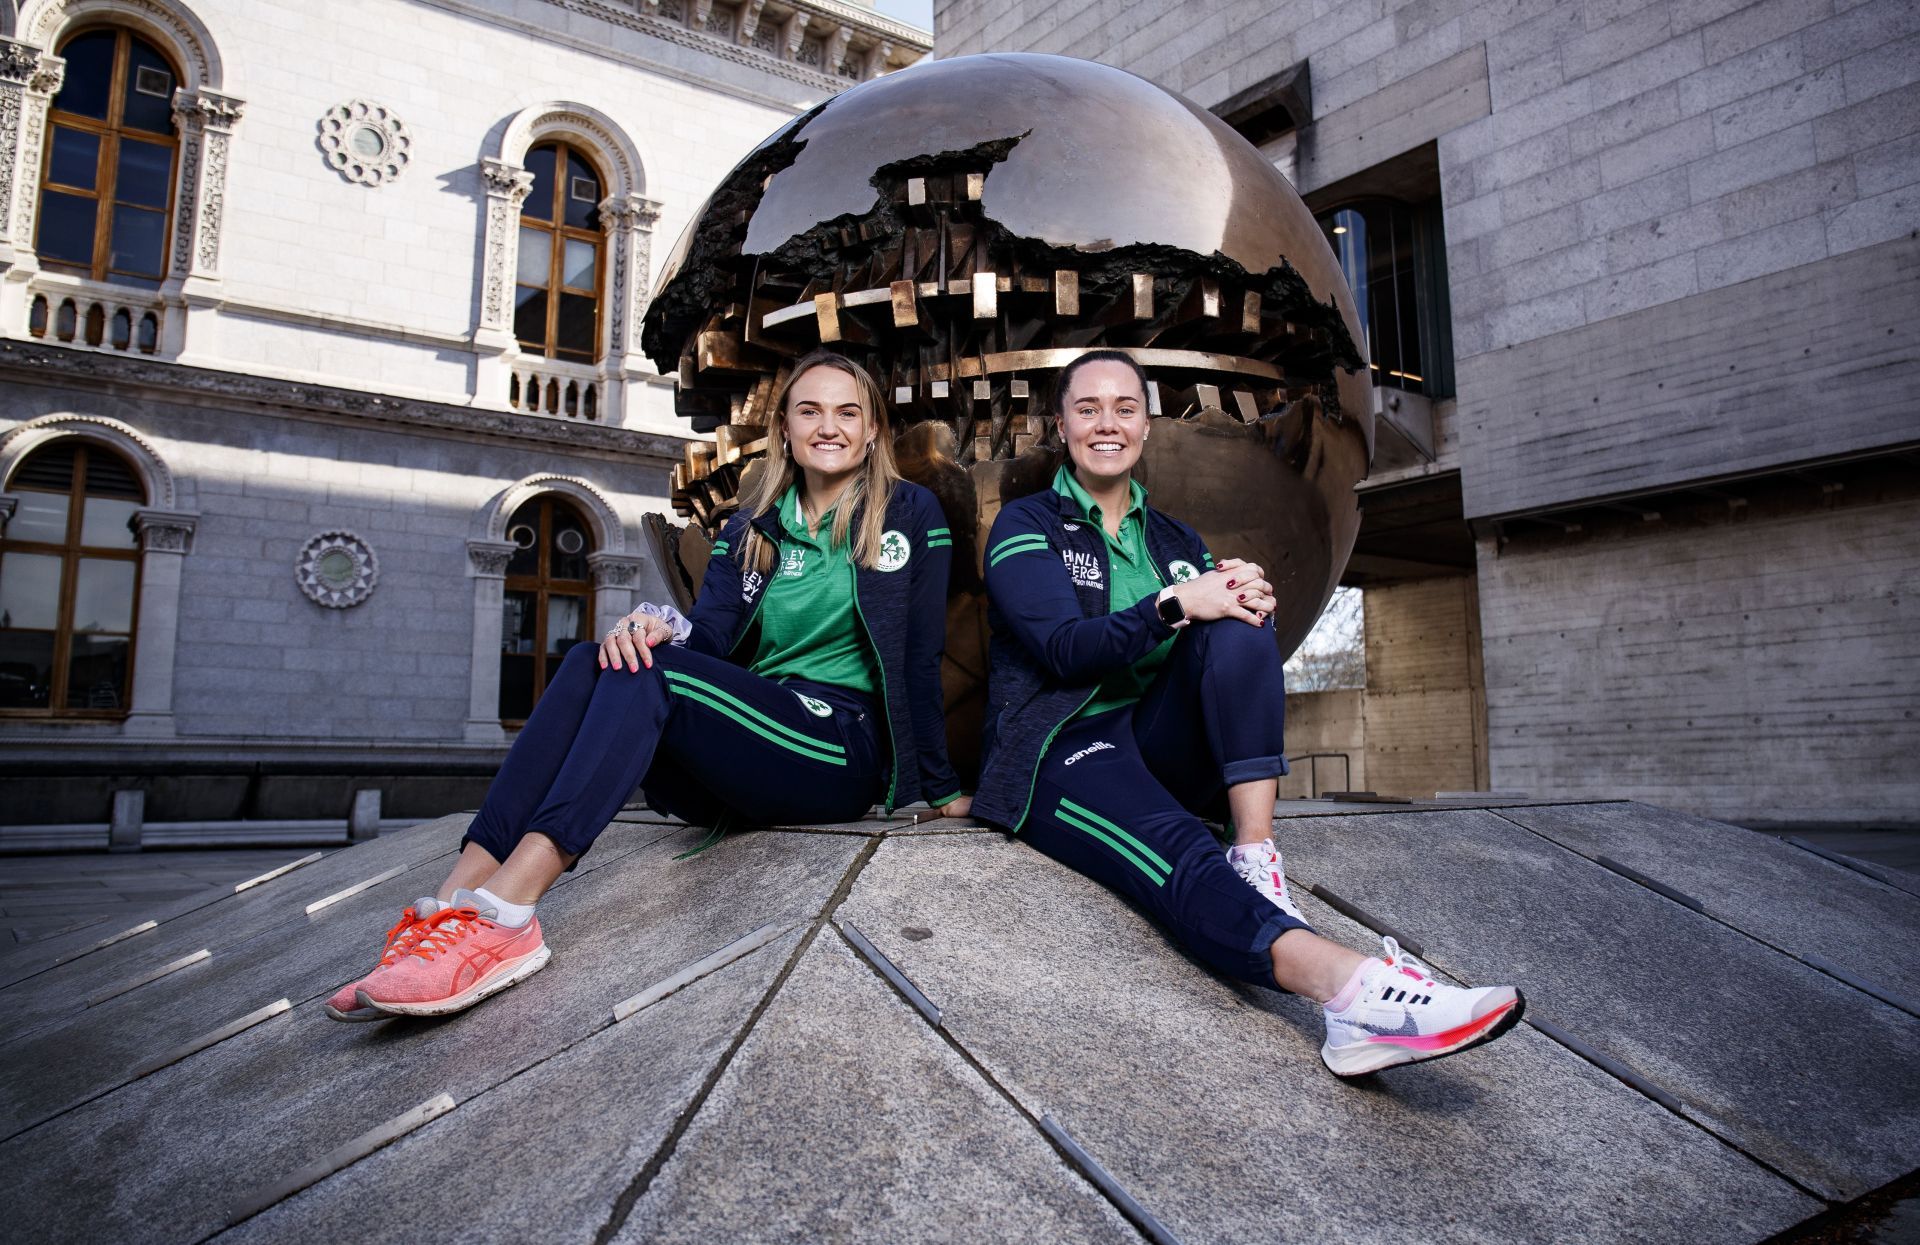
(1231, 583)
(1241, 597)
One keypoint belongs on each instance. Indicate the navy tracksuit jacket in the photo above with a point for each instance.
(1115, 796)
(704, 737)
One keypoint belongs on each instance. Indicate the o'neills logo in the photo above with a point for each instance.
(1099, 745)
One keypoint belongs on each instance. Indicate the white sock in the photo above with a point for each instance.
(512, 915)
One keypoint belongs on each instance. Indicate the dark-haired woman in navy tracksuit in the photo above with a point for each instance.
(1135, 684)
(805, 687)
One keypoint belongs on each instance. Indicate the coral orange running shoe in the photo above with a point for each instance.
(343, 1005)
(460, 956)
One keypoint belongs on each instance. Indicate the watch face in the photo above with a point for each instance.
(1171, 611)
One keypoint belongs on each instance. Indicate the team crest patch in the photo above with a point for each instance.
(1183, 571)
(818, 708)
(793, 563)
(895, 549)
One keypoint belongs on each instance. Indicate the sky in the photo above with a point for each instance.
(913, 12)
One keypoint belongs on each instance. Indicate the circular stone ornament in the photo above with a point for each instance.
(365, 143)
(337, 570)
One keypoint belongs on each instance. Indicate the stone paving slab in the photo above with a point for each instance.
(1790, 898)
(259, 907)
(221, 924)
(1207, 1100)
(580, 1126)
(846, 1118)
(1811, 1076)
(167, 1158)
(60, 1065)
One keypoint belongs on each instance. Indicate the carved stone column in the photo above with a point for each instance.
(493, 341)
(487, 567)
(206, 122)
(18, 64)
(614, 577)
(628, 221)
(29, 79)
(165, 536)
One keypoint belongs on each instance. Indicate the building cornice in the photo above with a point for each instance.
(638, 18)
(31, 362)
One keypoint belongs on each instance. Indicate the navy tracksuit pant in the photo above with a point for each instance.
(1117, 794)
(700, 735)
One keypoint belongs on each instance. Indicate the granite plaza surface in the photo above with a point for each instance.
(895, 1031)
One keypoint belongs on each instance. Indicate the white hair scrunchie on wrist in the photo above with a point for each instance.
(672, 617)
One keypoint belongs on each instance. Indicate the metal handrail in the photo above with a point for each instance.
(1313, 769)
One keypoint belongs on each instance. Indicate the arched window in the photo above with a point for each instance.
(556, 309)
(69, 577)
(107, 188)
(549, 598)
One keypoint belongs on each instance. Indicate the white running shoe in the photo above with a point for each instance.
(1260, 864)
(1403, 1015)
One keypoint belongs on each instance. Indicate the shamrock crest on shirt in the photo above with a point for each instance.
(895, 549)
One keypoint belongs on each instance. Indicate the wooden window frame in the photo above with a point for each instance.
(558, 232)
(70, 552)
(541, 584)
(107, 166)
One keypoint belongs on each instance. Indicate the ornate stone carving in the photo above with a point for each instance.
(627, 220)
(507, 186)
(184, 216)
(837, 49)
(509, 181)
(47, 76)
(750, 19)
(22, 440)
(213, 200)
(17, 61)
(43, 83)
(613, 570)
(10, 94)
(488, 558)
(186, 40)
(337, 570)
(365, 142)
(164, 531)
(796, 32)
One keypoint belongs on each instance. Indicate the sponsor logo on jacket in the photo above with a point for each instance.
(1083, 567)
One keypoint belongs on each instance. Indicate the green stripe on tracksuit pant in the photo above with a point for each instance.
(700, 735)
(1118, 795)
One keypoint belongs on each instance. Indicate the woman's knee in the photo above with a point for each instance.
(1238, 644)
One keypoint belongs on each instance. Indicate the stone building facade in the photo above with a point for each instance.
(324, 428)
(1645, 521)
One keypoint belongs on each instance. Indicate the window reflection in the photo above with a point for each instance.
(1393, 256)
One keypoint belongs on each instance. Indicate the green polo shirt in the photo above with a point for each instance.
(809, 628)
(1131, 575)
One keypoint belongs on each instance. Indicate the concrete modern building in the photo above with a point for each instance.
(1640, 286)
(324, 429)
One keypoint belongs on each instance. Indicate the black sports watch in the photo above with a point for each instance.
(1172, 612)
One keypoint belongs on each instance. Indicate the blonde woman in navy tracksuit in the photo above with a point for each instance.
(811, 663)
(1136, 684)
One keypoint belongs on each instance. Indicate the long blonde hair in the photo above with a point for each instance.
(869, 493)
